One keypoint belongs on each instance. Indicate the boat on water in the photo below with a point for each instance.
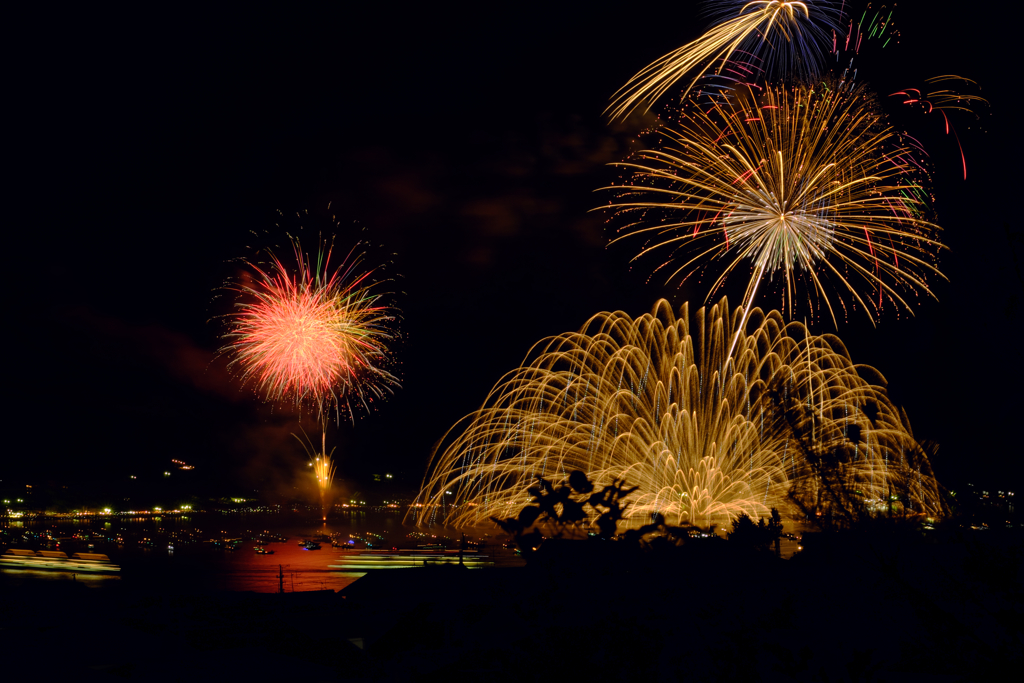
(377, 559)
(311, 545)
(260, 550)
(55, 560)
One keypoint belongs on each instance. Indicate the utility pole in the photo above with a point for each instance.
(280, 579)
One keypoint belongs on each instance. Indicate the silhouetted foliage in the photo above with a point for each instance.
(827, 497)
(562, 509)
(761, 536)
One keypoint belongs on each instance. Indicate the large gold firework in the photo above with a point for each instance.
(769, 33)
(705, 435)
(801, 183)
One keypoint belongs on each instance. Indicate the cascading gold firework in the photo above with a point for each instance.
(807, 183)
(786, 32)
(704, 433)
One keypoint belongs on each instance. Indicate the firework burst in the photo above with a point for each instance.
(767, 36)
(938, 97)
(807, 184)
(699, 430)
(313, 334)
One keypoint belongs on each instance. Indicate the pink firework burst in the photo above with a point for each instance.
(316, 335)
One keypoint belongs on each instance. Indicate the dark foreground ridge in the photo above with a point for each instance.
(851, 607)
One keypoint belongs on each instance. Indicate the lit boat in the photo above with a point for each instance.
(415, 558)
(56, 560)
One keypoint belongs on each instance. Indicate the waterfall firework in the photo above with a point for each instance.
(706, 435)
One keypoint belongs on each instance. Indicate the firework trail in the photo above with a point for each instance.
(313, 334)
(323, 469)
(805, 183)
(659, 402)
(777, 37)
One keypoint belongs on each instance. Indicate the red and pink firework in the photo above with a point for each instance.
(314, 335)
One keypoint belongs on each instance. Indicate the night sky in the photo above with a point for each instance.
(146, 147)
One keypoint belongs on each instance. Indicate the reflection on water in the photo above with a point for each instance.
(17, 576)
(291, 567)
(194, 552)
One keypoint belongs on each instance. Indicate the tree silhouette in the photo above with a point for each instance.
(827, 494)
(760, 536)
(561, 509)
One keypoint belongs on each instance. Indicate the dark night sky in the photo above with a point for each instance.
(144, 148)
